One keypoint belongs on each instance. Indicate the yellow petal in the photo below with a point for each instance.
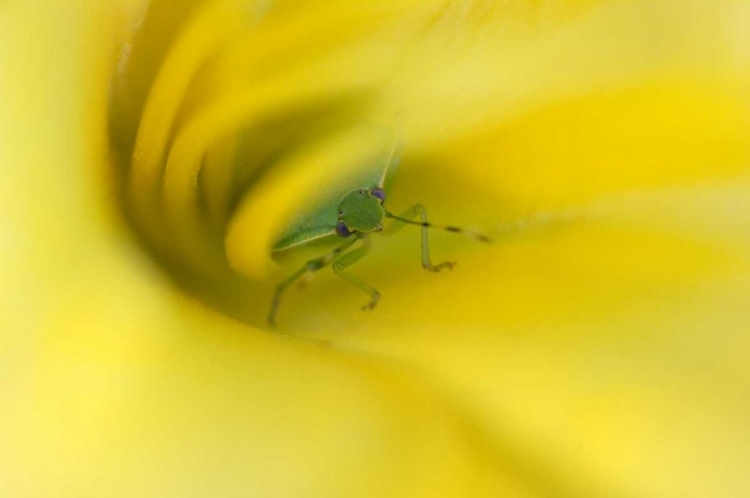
(596, 348)
(115, 383)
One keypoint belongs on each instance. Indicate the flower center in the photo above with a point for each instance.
(219, 144)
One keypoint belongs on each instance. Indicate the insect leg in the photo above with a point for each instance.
(349, 259)
(405, 218)
(310, 267)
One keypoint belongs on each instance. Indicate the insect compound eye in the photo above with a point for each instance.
(378, 193)
(342, 230)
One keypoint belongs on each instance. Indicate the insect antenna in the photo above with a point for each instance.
(389, 161)
(464, 231)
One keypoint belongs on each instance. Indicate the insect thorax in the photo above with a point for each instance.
(361, 211)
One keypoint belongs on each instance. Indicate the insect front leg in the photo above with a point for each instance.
(410, 214)
(349, 259)
(310, 267)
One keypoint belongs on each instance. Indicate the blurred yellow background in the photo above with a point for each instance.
(151, 153)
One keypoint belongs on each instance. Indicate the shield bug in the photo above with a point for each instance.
(350, 218)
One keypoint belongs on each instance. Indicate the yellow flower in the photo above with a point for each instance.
(153, 153)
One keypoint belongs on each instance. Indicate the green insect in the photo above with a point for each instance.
(353, 218)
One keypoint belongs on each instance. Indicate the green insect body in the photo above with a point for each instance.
(352, 219)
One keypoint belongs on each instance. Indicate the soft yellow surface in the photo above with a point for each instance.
(598, 348)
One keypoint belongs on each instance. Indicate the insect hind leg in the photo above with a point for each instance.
(309, 268)
(349, 259)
